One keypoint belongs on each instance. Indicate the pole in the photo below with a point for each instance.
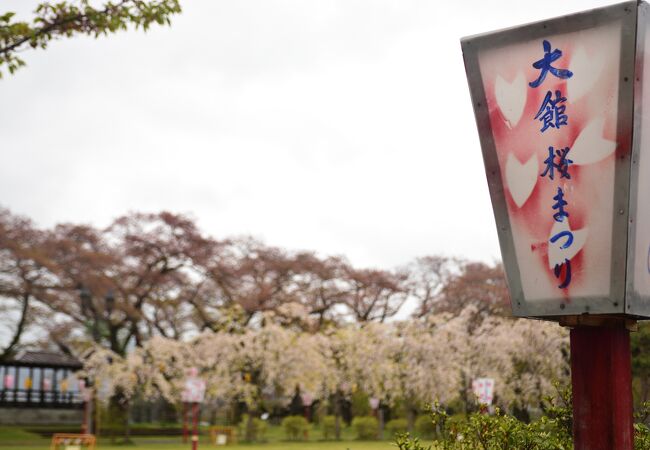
(195, 426)
(184, 423)
(89, 424)
(601, 377)
(84, 423)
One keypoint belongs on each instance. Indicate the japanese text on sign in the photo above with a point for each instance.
(552, 115)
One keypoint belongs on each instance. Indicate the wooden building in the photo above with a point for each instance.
(38, 379)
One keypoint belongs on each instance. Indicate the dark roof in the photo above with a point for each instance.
(44, 359)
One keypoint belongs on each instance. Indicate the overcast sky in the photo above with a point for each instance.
(343, 127)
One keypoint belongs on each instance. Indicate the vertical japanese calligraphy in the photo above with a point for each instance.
(552, 115)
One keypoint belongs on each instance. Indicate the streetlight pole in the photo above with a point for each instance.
(88, 309)
(87, 306)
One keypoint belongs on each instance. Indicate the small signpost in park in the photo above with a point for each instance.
(221, 435)
(66, 441)
(192, 396)
(484, 390)
(307, 400)
(563, 113)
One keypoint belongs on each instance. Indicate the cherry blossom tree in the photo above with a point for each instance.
(524, 357)
(25, 276)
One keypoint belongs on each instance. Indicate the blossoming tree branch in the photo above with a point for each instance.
(66, 19)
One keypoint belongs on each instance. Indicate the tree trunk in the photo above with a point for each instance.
(213, 415)
(127, 422)
(380, 416)
(337, 415)
(20, 327)
(410, 416)
(250, 432)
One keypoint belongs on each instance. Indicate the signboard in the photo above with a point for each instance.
(193, 389)
(307, 399)
(565, 159)
(66, 441)
(221, 435)
(483, 389)
(87, 394)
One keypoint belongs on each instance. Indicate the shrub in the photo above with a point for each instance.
(397, 426)
(360, 403)
(405, 442)
(552, 431)
(366, 427)
(258, 431)
(295, 427)
(456, 421)
(424, 426)
(496, 431)
(329, 427)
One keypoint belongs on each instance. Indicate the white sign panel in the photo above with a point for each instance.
(194, 390)
(484, 390)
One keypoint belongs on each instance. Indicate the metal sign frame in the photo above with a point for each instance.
(636, 304)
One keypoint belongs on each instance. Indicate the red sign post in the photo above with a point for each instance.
(192, 396)
(563, 113)
(602, 387)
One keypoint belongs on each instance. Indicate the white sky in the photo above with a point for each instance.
(343, 127)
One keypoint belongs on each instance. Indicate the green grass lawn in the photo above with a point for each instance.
(342, 445)
(16, 438)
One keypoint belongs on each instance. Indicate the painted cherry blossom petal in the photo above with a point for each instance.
(590, 146)
(556, 254)
(511, 98)
(586, 72)
(521, 178)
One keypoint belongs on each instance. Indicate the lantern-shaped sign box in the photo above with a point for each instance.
(560, 108)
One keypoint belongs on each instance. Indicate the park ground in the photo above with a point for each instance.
(19, 439)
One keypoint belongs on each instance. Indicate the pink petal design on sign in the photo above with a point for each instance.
(590, 146)
(556, 254)
(511, 98)
(521, 178)
(586, 71)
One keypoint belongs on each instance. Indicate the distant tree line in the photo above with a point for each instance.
(149, 275)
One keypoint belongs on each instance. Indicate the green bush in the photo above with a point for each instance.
(258, 431)
(498, 431)
(360, 403)
(260, 427)
(366, 427)
(397, 426)
(455, 421)
(424, 426)
(328, 425)
(295, 427)
(501, 431)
